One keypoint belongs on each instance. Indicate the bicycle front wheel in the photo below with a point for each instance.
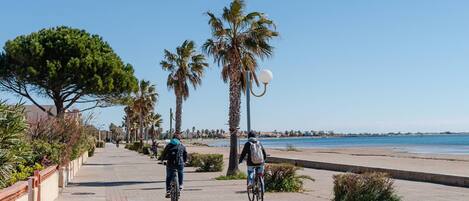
(259, 190)
(250, 194)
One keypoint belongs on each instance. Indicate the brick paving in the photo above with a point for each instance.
(116, 174)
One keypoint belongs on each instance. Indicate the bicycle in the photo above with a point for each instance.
(174, 190)
(256, 192)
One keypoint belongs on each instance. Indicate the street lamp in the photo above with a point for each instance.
(265, 77)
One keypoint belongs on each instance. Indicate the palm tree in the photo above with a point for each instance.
(144, 103)
(237, 39)
(185, 67)
(154, 122)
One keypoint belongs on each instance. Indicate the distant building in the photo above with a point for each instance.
(34, 114)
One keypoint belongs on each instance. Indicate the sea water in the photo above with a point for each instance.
(435, 144)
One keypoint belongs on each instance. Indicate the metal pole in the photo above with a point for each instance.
(248, 99)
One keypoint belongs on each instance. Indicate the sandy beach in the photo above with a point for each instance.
(374, 157)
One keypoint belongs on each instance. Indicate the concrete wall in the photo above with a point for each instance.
(23, 198)
(44, 185)
(450, 180)
(50, 187)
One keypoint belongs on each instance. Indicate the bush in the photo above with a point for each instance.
(47, 153)
(210, 163)
(237, 176)
(13, 148)
(145, 149)
(283, 178)
(194, 160)
(364, 187)
(23, 172)
(100, 144)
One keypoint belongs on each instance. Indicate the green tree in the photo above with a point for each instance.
(237, 39)
(185, 67)
(66, 65)
(143, 104)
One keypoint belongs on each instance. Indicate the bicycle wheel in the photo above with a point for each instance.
(175, 188)
(250, 194)
(260, 194)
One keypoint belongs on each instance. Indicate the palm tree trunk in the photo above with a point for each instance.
(234, 117)
(178, 113)
(141, 128)
(127, 129)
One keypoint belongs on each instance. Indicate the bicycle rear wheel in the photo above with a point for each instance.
(175, 188)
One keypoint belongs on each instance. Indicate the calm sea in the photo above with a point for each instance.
(436, 144)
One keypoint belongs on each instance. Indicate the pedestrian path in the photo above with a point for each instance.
(116, 174)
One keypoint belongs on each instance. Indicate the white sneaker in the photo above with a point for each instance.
(181, 187)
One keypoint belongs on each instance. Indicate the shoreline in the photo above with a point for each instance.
(366, 156)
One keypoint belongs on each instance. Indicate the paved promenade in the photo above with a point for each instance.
(118, 174)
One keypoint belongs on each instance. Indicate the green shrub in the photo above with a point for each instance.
(194, 160)
(210, 163)
(145, 149)
(47, 153)
(23, 172)
(100, 144)
(13, 147)
(91, 151)
(283, 178)
(238, 176)
(364, 187)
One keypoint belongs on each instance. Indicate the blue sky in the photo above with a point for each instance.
(347, 66)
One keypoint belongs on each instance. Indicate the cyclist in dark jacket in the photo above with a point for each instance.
(250, 164)
(176, 156)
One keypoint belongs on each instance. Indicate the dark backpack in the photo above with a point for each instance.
(174, 156)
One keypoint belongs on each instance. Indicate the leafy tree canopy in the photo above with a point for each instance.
(67, 65)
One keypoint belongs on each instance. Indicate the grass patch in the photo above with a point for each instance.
(239, 176)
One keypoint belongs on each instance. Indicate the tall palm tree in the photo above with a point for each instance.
(237, 39)
(185, 67)
(144, 103)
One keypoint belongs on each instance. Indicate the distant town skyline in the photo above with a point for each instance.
(349, 67)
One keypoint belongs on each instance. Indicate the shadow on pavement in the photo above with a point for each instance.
(113, 183)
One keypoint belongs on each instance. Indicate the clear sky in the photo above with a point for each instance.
(347, 66)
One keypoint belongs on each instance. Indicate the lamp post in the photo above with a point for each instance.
(265, 77)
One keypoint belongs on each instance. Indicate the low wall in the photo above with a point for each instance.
(450, 180)
(44, 185)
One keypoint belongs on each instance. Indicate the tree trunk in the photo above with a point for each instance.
(127, 127)
(141, 128)
(59, 108)
(234, 117)
(178, 113)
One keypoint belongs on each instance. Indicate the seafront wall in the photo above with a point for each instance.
(450, 180)
(44, 185)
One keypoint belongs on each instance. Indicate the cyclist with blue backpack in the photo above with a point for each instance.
(176, 156)
(255, 157)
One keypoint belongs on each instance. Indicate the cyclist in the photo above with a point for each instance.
(255, 157)
(176, 155)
